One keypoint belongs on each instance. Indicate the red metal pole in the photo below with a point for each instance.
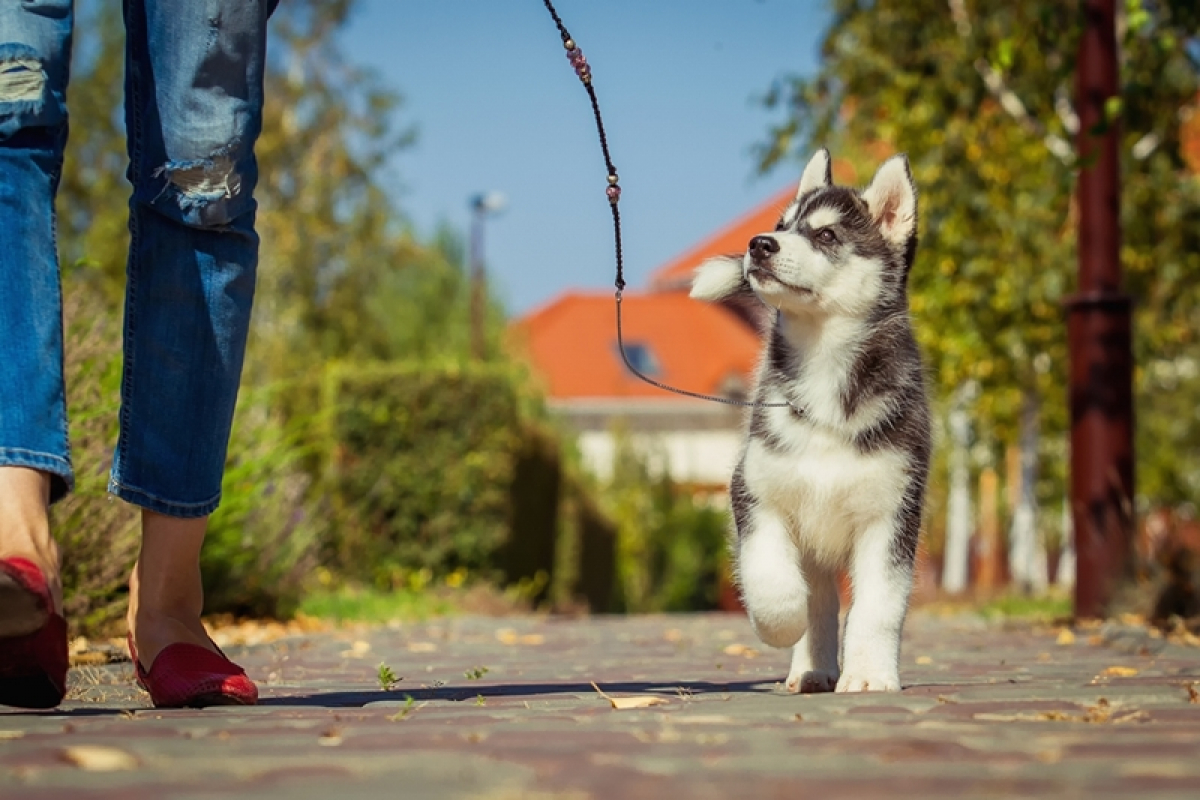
(1099, 335)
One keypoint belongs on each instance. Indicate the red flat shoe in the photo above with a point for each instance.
(33, 639)
(190, 676)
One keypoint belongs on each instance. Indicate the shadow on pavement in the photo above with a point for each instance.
(458, 693)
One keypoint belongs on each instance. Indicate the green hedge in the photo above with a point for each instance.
(419, 463)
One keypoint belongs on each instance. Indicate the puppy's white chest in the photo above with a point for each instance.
(827, 490)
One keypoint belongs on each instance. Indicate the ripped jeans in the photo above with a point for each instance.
(193, 111)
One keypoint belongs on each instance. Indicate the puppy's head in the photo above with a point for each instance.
(835, 251)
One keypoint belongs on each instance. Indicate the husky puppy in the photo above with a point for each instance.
(832, 471)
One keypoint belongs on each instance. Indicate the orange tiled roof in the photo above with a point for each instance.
(572, 343)
(733, 239)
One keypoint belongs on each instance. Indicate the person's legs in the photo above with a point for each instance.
(35, 465)
(194, 92)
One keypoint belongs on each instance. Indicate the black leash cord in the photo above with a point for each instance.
(584, 71)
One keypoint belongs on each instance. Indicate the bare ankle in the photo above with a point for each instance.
(25, 522)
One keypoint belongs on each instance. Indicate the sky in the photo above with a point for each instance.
(497, 108)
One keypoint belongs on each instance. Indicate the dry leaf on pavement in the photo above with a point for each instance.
(1119, 672)
(740, 650)
(626, 703)
(94, 758)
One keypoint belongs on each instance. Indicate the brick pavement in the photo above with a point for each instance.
(503, 709)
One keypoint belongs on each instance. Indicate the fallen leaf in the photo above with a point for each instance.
(1193, 695)
(673, 635)
(740, 650)
(1051, 756)
(924, 660)
(639, 701)
(8, 735)
(95, 758)
(627, 703)
(357, 650)
(1065, 636)
(421, 647)
(1118, 672)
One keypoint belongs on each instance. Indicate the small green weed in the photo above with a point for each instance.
(409, 707)
(387, 677)
(475, 673)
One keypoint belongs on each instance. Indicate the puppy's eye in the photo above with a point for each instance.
(826, 236)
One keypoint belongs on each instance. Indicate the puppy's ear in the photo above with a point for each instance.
(892, 199)
(719, 278)
(817, 175)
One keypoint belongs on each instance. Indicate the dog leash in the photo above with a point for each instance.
(584, 71)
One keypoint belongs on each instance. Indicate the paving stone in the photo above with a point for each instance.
(506, 708)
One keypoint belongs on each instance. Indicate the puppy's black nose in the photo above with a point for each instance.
(762, 247)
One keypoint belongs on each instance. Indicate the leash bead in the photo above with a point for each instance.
(569, 44)
(612, 179)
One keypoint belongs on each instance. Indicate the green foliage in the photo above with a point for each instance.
(1011, 607)
(98, 537)
(92, 215)
(671, 547)
(979, 97)
(364, 604)
(261, 544)
(420, 465)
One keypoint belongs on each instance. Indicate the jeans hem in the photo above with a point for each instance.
(62, 477)
(151, 502)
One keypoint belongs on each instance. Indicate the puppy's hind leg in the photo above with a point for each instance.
(815, 658)
(773, 588)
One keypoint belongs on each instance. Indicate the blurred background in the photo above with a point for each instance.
(434, 415)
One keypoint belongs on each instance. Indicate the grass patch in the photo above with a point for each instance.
(356, 604)
(1039, 608)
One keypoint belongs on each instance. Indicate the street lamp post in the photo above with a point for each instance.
(1099, 334)
(481, 205)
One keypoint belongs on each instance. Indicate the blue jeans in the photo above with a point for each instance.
(193, 111)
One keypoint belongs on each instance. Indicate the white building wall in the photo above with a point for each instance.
(690, 456)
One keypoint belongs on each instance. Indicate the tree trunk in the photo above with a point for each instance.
(1064, 576)
(1027, 550)
(957, 556)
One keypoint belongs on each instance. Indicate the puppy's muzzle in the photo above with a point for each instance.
(762, 248)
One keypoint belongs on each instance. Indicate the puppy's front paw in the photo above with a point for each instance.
(811, 682)
(865, 681)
